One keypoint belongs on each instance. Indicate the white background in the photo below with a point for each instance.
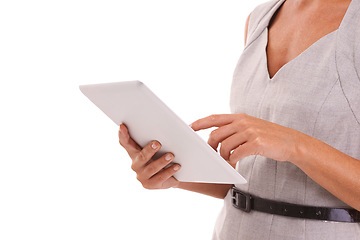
(63, 174)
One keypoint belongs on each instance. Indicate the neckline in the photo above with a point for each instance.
(295, 58)
(274, 11)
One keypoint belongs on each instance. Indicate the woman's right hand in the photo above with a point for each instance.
(150, 172)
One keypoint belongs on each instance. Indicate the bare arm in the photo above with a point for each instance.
(335, 171)
(241, 135)
(210, 189)
(246, 28)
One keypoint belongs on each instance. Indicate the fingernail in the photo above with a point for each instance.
(168, 157)
(177, 167)
(154, 146)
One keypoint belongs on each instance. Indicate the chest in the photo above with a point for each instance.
(293, 29)
(293, 97)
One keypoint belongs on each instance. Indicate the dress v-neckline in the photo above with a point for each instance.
(295, 58)
(284, 66)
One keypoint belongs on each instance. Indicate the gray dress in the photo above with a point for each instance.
(317, 93)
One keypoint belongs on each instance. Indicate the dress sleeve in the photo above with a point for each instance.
(256, 19)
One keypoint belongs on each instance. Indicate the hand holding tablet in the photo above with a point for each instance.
(152, 173)
(147, 119)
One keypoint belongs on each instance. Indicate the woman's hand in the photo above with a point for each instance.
(150, 172)
(242, 135)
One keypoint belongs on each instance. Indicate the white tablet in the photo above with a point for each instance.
(148, 118)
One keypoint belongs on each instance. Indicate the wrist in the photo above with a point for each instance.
(302, 147)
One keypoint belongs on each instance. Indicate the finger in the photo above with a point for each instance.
(157, 165)
(242, 151)
(145, 155)
(220, 134)
(171, 182)
(212, 121)
(161, 179)
(230, 144)
(127, 142)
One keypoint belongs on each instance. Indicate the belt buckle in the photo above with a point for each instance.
(241, 200)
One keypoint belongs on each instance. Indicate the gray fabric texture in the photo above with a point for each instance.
(317, 93)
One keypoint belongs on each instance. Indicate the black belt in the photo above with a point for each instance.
(247, 202)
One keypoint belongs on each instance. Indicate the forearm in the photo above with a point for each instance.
(210, 189)
(335, 171)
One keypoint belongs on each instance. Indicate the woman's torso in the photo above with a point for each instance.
(308, 94)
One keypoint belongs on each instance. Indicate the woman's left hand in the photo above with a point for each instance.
(242, 135)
